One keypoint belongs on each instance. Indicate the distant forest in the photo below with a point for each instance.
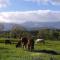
(52, 34)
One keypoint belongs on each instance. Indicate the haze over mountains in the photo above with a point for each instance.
(29, 25)
(37, 25)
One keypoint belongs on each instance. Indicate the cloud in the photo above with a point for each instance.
(37, 16)
(37, 1)
(4, 3)
(53, 2)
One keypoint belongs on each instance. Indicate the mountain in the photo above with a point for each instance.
(41, 25)
(30, 25)
(9, 26)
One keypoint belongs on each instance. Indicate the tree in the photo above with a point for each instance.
(16, 31)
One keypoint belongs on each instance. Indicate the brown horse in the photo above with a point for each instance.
(30, 44)
(27, 43)
(24, 42)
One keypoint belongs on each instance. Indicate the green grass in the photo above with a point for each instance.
(10, 52)
(49, 45)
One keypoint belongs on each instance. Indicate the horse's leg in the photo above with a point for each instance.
(29, 47)
(25, 46)
(22, 45)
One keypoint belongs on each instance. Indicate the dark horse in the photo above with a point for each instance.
(24, 42)
(27, 43)
(18, 44)
(30, 44)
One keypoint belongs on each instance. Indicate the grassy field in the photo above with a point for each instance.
(48, 51)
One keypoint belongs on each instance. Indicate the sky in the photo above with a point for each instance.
(20, 11)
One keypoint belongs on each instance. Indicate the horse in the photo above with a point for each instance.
(7, 41)
(18, 44)
(40, 41)
(24, 42)
(30, 44)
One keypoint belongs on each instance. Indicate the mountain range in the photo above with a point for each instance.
(29, 25)
(41, 25)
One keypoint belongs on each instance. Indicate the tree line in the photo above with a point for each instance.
(17, 32)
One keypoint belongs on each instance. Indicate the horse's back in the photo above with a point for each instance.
(39, 40)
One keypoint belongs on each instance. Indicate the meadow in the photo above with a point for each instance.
(48, 51)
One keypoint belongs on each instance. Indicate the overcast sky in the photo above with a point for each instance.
(19, 11)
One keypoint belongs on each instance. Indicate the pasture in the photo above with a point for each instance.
(48, 51)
